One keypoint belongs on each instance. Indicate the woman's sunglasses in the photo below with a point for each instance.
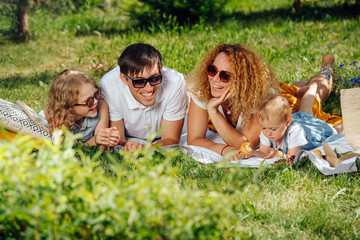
(91, 100)
(223, 75)
(140, 83)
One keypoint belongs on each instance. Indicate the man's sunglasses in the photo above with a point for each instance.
(223, 75)
(140, 83)
(90, 101)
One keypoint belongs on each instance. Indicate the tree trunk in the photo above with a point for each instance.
(297, 6)
(22, 20)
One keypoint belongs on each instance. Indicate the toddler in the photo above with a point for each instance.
(283, 134)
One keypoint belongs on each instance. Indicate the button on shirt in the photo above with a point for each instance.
(170, 103)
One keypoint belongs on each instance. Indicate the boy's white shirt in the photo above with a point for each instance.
(296, 137)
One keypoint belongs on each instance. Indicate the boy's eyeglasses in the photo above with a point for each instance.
(90, 101)
(223, 75)
(140, 83)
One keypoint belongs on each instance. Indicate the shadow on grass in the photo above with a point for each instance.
(19, 80)
(307, 13)
(313, 12)
(10, 36)
(332, 105)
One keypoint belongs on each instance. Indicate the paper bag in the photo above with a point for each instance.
(332, 158)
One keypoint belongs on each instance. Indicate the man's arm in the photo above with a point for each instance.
(171, 133)
(176, 103)
(128, 145)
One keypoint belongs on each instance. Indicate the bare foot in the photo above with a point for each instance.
(339, 127)
(324, 78)
(328, 61)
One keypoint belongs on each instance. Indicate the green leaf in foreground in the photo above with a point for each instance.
(57, 192)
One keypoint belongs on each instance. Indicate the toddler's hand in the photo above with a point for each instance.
(245, 156)
(273, 153)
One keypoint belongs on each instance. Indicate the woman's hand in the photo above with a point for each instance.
(252, 154)
(256, 153)
(234, 151)
(214, 103)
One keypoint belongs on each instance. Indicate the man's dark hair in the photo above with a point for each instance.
(137, 57)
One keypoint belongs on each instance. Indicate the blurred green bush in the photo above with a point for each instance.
(58, 192)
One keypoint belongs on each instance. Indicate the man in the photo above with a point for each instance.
(142, 94)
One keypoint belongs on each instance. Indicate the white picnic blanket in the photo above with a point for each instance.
(340, 146)
(207, 156)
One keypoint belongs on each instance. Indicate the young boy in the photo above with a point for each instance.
(283, 134)
(279, 137)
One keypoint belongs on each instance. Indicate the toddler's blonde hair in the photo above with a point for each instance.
(274, 105)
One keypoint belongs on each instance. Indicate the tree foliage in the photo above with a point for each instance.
(151, 12)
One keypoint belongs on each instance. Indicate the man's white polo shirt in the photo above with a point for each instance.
(170, 103)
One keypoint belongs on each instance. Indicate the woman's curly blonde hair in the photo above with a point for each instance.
(63, 94)
(252, 79)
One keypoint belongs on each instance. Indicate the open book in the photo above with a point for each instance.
(37, 118)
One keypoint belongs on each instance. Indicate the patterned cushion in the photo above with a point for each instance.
(14, 119)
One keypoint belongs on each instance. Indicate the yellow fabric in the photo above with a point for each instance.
(211, 125)
(289, 90)
(9, 136)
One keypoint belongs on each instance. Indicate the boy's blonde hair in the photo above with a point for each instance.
(274, 105)
(63, 94)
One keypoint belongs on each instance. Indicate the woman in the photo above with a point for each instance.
(226, 89)
(308, 96)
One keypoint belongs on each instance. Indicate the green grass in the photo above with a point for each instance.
(273, 203)
(92, 41)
